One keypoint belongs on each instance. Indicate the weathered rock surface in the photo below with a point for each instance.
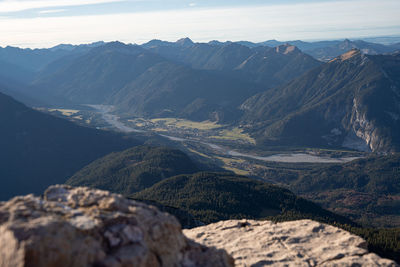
(87, 227)
(296, 243)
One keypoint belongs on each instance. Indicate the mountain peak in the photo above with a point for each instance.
(352, 53)
(114, 45)
(185, 42)
(347, 44)
(117, 46)
(286, 49)
(348, 55)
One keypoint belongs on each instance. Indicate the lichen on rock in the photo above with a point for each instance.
(88, 227)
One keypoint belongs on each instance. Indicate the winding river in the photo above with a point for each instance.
(113, 120)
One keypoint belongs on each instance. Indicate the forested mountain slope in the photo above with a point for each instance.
(211, 197)
(134, 169)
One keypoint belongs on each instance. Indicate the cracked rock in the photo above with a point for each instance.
(88, 227)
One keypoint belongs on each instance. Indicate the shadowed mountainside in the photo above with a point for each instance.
(38, 150)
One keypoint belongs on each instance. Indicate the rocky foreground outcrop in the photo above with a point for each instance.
(295, 243)
(86, 227)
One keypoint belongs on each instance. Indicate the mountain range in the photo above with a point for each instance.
(143, 82)
(35, 59)
(268, 66)
(327, 50)
(280, 95)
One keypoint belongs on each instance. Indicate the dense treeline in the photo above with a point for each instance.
(384, 242)
(134, 169)
(374, 174)
(212, 197)
(366, 190)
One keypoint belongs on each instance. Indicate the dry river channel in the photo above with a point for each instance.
(113, 120)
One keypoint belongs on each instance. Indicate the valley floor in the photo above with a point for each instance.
(233, 150)
(227, 146)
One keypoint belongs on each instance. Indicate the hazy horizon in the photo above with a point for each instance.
(395, 38)
(46, 23)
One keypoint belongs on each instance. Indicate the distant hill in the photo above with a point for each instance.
(211, 197)
(134, 169)
(352, 101)
(34, 60)
(38, 150)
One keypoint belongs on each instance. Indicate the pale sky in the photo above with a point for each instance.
(45, 23)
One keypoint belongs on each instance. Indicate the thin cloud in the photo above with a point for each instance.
(51, 11)
(18, 5)
(326, 20)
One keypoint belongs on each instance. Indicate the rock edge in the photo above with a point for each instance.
(88, 227)
(294, 243)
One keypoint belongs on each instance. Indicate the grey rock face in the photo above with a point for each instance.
(87, 227)
(296, 243)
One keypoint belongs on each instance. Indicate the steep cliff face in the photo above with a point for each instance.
(87, 227)
(363, 133)
(296, 243)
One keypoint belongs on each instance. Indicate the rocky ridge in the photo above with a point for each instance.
(295, 243)
(87, 227)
